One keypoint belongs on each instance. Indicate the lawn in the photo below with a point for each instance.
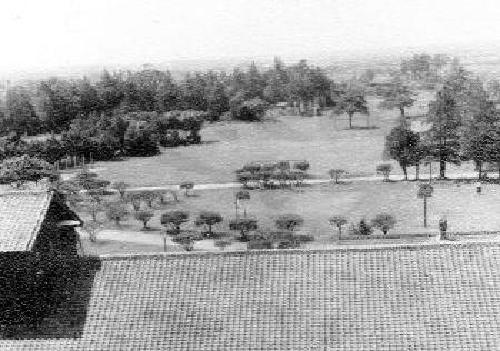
(463, 207)
(325, 141)
(108, 247)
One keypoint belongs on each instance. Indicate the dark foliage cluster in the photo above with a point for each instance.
(464, 125)
(52, 105)
(101, 137)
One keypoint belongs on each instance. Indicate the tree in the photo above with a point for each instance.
(306, 84)
(148, 197)
(92, 228)
(397, 96)
(186, 185)
(247, 110)
(109, 91)
(385, 169)
(339, 222)
(351, 102)
(289, 221)
(121, 187)
(208, 218)
(162, 195)
(144, 216)
(59, 102)
(480, 141)
(187, 243)
(425, 191)
(276, 83)
(23, 169)
(336, 173)
(92, 204)
(116, 211)
(362, 228)
(402, 145)
(135, 200)
(301, 165)
(242, 195)
(90, 182)
(174, 219)
(243, 225)
(384, 222)
(140, 142)
(216, 96)
(454, 104)
(20, 114)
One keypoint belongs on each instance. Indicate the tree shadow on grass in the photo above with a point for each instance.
(44, 297)
(150, 229)
(362, 128)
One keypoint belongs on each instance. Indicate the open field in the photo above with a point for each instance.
(324, 141)
(465, 210)
(105, 247)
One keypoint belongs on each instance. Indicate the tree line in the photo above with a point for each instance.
(55, 103)
(101, 137)
(464, 125)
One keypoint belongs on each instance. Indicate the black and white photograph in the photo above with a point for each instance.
(230, 175)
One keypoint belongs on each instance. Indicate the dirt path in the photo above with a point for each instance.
(134, 236)
(373, 178)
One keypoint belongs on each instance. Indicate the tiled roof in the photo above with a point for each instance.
(440, 297)
(21, 214)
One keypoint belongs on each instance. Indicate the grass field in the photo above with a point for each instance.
(107, 247)
(325, 141)
(465, 210)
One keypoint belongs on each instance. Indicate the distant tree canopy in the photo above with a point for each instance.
(397, 96)
(244, 92)
(23, 169)
(384, 222)
(403, 145)
(20, 115)
(456, 104)
(350, 101)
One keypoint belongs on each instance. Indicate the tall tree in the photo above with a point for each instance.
(446, 118)
(480, 141)
(397, 96)
(60, 103)
(110, 91)
(276, 83)
(20, 113)
(89, 98)
(402, 145)
(255, 82)
(351, 101)
(456, 104)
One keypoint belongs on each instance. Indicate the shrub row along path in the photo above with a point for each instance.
(208, 245)
(455, 175)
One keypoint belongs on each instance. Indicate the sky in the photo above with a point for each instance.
(56, 33)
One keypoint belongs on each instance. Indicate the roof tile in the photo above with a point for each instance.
(424, 298)
(21, 214)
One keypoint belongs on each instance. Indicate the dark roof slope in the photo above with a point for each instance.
(21, 214)
(441, 297)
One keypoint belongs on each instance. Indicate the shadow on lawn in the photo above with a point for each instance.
(362, 128)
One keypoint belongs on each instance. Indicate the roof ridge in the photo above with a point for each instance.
(27, 192)
(361, 248)
(41, 217)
